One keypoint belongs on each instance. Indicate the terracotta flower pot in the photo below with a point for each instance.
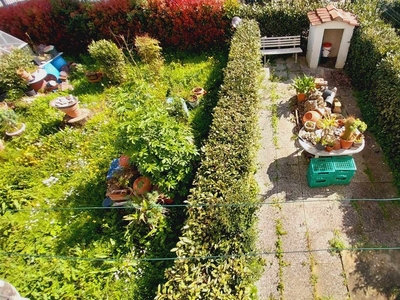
(198, 91)
(301, 97)
(120, 195)
(337, 145)
(68, 105)
(328, 148)
(25, 75)
(311, 115)
(163, 199)
(72, 111)
(142, 185)
(344, 144)
(94, 76)
(124, 161)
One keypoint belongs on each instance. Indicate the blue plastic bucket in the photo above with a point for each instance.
(50, 69)
(58, 62)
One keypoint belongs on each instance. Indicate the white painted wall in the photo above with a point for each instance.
(316, 38)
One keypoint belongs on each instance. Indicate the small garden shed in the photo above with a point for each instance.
(7, 42)
(330, 28)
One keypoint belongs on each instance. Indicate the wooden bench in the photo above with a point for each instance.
(280, 45)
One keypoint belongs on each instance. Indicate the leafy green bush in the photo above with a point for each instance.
(149, 51)
(374, 68)
(225, 177)
(10, 64)
(278, 18)
(110, 58)
(160, 147)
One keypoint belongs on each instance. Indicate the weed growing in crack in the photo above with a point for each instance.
(279, 255)
(336, 243)
(273, 108)
(313, 263)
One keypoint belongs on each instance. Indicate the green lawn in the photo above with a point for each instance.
(54, 243)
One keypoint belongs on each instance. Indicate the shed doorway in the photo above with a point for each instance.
(334, 37)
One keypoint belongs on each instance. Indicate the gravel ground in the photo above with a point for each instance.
(301, 223)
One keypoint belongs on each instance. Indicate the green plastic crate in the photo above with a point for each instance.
(344, 165)
(341, 179)
(318, 181)
(320, 172)
(321, 167)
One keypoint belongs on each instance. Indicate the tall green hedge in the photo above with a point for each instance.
(373, 65)
(278, 18)
(210, 263)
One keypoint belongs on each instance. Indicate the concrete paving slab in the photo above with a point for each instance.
(282, 176)
(267, 285)
(372, 275)
(323, 215)
(290, 190)
(330, 280)
(299, 276)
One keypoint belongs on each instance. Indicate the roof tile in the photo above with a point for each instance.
(334, 14)
(330, 13)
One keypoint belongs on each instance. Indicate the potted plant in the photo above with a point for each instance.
(303, 86)
(309, 126)
(67, 104)
(358, 141)
(119, 183)
(198, 91)
(352, 128)
(94, 76)
(12, 70)
(327, 121)
(328, 141)
(92, 71)
(9, 123)
(193, 101)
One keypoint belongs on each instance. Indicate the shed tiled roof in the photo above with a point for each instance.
(331, 13)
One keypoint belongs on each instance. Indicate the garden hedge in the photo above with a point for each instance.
(373, 65)
(211, 261)
(71, 25)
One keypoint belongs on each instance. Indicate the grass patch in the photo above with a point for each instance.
(312, 263)
(279, 255)
(273, 108)
(53, 174)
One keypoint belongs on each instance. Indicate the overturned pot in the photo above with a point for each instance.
(68, 104)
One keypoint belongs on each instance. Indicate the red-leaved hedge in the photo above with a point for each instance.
(71, 25)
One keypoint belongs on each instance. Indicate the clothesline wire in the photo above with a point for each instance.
(196, 205)
(256, 254)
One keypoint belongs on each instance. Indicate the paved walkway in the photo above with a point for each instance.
(303, 222)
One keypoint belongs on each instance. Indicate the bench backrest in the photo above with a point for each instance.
(280, 41)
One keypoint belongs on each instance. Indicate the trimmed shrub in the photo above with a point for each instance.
(224, 181)
(373, 65)
(278, 18)
(110, 58)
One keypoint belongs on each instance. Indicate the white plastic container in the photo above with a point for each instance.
(326, 49)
